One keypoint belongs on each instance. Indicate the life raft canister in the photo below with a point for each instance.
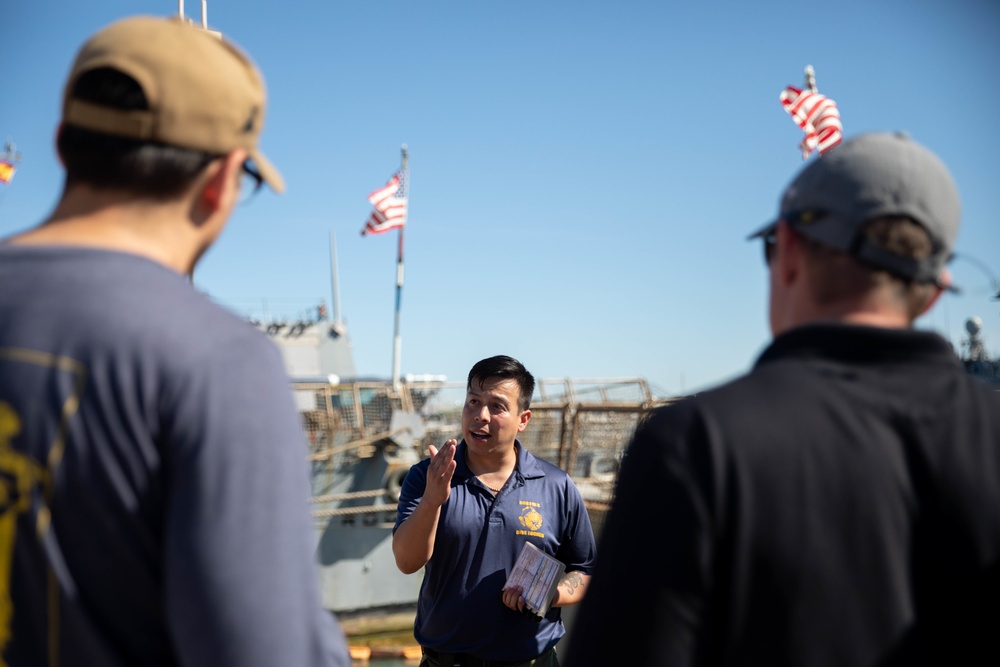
(394, 483)
(604, 466)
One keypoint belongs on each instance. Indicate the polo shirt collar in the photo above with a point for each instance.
(527, 464)
(856, 344)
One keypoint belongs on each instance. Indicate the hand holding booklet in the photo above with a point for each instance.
(538, 575)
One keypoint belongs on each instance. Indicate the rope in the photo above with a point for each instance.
(347, 511)
(328, 454)
(375, 493)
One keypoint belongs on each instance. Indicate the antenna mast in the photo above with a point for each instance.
(334, 280)
(204, 17)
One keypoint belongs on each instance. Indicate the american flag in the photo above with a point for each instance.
(390, 206)
(818, 117)
(7, 170)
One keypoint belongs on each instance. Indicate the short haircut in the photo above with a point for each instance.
(836, 276)
(107, 162)
(507, 368)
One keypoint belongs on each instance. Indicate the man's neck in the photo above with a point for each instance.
(494, 464)
(858, 314)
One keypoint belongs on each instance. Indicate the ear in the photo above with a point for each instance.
(220, 189)
(523, 420)
(787, 255)
(944, 281)
(59, 131)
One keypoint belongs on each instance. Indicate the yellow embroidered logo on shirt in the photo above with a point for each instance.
(531, 519)
(18, 475)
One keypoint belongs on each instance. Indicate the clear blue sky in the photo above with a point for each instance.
(584, 173)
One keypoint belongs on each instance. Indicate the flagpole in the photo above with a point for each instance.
(397, 345)
(9, 160)
(811, 79)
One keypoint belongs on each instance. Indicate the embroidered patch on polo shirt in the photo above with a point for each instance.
(531, 518)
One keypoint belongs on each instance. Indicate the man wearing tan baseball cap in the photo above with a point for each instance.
(153, 483)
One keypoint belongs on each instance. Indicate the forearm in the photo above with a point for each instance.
(571, 589)
(413, 541)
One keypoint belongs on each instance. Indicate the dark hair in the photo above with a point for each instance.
(836, 275)
(507, 368)
(104, 161)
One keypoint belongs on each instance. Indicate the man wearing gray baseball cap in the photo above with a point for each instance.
(153, 479)
(839, 504)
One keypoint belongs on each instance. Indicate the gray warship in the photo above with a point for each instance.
(974, 356)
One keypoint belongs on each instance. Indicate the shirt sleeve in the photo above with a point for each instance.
(577, 548)
(652, 574)
(411, 492)
(241, 584)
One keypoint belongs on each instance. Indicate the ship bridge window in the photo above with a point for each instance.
(342, 399)
(345, 399)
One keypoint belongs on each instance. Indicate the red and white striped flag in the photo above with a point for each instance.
(7, 170)
(390, 206)
(818, 117)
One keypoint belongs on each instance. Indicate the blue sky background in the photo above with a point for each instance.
(583, 174)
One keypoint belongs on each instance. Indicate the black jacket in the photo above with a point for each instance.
(839, 505)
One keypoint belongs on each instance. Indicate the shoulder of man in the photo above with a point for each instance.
(534, 467)
(681, 430)
(156, 306)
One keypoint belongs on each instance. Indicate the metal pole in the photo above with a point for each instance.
(334, 279)
(204, 14)
(397, 340)
(811, 78)
(180, 9)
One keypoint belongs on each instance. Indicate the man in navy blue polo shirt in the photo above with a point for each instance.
(465, 514)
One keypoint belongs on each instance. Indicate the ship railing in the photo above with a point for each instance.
(581, 425)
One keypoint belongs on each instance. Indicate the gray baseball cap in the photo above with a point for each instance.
(868, 177)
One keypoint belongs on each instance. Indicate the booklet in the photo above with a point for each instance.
(537, 574)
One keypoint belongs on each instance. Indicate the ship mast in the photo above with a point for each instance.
(204, 17)
(335, 283)
(204, 12)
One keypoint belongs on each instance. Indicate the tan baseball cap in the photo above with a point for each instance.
(203, 92)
